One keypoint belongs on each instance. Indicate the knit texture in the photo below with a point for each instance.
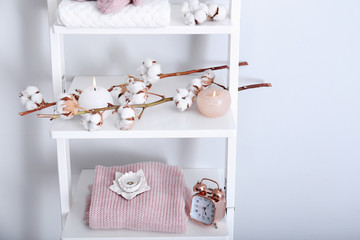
(111, 6)
(161, 209)
(149, 14)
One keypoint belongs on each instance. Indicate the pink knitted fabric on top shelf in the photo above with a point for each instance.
(110, 6)
(161, 209)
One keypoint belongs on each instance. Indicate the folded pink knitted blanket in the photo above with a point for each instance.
(161, 209)
(110, 6)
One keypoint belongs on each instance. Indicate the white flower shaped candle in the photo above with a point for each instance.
(130, 184)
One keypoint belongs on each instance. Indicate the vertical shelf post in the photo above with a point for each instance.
(234, 49)
(64, 171)
(58, 80)
(57, 52)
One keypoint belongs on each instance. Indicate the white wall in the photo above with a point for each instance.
(298, 169)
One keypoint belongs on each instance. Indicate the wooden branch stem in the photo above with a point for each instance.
(199, 70)
(254, 86)
(42, 106)
(145, 105)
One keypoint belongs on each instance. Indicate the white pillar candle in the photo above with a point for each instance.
(213, 102)
(96, 97)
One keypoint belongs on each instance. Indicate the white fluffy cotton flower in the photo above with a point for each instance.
(116, 92)
(200, 16)
(137, 93)
(194, 12)
(92, 121)
(193, 5)
(31, 98)
(126, 117)
(150, 71)
(196, 86)
(31, 90)
(189, 19)
(67, 106)
(136, 86)
(29, 105)
(217, 12)
(183, 99)
(207, 78)
(76, 93)
(37, 98)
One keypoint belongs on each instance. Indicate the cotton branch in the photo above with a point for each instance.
(42, 106)
(114, 107)
(254, 86)
(145, 105)
(183, 73)
(199, 70)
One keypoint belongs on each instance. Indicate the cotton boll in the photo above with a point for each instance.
(177, 97)
(200, 16)
(207, 78)
(127, 113)
(189, 100)
(189, 19)
(92, 122)
(196, 82)
(126, 119)
(209, 74)
(76, 93)
(124, 124)
(154, 70)
(85, 117)
(204, 7)
(116, 91)
(24, 100)
(37, 98)
(196, 86)
(89, 126)
(67, 106)
(191, 94)
(182, 92)
(142, 69)
(212, 9)
(31, 90)
(145, 79)
(185, 8)
(95, 118)
(182, 105)
(139, 98)
(136, 87)
(24, 94)
(93, 126)
(152, 80)
(193, 5)
(148, 62)
(221, 14)
(30, 105)
(124, 98)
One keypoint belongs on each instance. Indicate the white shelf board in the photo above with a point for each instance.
(177, 26)
(161, 121)
(75, 228)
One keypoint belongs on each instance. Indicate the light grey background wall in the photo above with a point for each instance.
(298, 151)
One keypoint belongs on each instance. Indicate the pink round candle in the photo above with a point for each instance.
(213, 102)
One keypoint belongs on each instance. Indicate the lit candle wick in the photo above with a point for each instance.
(94, 83)
(214, 93)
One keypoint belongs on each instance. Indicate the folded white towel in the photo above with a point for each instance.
(149, 14)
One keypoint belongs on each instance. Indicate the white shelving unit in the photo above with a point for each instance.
(173, 125)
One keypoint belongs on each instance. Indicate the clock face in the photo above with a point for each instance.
(202, 210)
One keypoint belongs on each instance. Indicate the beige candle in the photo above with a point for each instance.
(213, 102)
